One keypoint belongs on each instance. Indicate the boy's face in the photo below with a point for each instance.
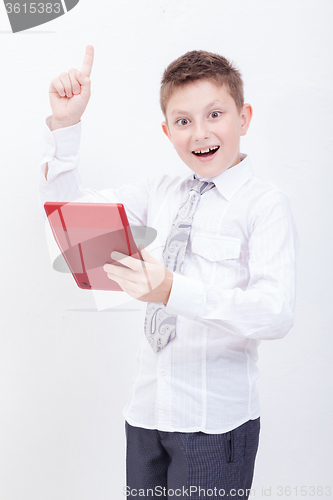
(202, 115)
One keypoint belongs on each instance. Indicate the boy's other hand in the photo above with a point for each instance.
(147, 280)
(70, 92)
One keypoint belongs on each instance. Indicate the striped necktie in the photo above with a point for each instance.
(160, 327)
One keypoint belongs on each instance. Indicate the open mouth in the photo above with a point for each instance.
(211, 151)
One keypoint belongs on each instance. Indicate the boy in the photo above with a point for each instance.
(226, 280)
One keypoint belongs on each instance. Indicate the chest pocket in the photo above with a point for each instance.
(215, 247)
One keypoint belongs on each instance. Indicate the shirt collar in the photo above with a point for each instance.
(231, 180)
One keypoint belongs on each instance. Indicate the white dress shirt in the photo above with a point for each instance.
(238, 287)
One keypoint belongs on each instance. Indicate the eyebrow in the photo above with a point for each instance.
(181, 112)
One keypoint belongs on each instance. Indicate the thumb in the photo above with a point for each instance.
(84, 82)
(82, 79)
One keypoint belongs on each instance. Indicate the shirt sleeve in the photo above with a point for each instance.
(266, 308)
(63, 183)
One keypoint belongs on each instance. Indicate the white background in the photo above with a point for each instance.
(65, 368)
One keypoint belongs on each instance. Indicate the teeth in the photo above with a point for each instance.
(206, 150)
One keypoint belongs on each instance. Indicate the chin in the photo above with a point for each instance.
(208, 171)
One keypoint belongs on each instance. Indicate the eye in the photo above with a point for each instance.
(216, 113)
(182, 120)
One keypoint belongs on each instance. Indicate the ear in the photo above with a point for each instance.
(166, 130)
(246, 116)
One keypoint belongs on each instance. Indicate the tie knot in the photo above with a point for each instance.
(202, 187)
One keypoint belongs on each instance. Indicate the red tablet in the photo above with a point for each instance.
(87, 234)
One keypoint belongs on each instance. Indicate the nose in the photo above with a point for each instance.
(200, 131)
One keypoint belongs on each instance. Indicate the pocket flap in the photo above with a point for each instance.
(215, 247)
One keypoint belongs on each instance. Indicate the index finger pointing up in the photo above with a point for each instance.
(88, 61)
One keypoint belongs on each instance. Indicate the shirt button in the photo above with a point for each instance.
(163, 372)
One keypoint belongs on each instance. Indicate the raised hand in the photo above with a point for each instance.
(70, 93)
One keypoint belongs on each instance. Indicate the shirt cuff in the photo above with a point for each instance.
(62, 144)
(186, 298)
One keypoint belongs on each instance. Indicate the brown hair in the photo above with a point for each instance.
(200, 65)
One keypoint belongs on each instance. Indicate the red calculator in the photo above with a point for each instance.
(87, 234)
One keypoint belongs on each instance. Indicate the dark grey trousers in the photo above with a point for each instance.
(192, 465)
